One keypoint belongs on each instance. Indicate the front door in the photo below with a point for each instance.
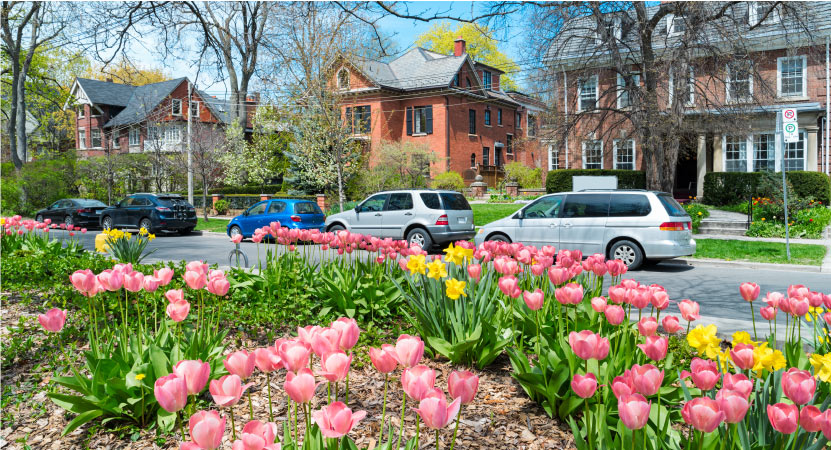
(583, 224)
(369, 217)
(397, 214)
(540, 223)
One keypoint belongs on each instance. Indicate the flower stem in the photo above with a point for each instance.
(437, 439)
(401, 428)
(233, 427)
(181, 425)
(456, 430)
(250, 406)
(753, 316)
(268, 386)
(383, 410)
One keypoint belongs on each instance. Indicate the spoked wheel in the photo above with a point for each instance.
(628, 252)
(107, 223)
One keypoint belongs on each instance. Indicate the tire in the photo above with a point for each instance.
(335, 228)
(628, 252)
(39, 218)
(235, 230)
(185, 231)
(499, 237)
(68, 221)
(147, 224)
(421, 237)
(106, 223)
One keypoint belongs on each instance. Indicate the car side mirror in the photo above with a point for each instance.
(357, 209)
(245, 214)
(520, 214)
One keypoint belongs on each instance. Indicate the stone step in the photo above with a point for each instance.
(723, 224)
(717, 231)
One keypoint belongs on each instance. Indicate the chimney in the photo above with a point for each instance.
(459, 47)
(109, 80)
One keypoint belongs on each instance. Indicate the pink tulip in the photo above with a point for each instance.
(206, 429)
(295, 354)
(798, 385)
(774, 299)
(111, 280)
(53, 320)
(236, 239)
(660, 300)
(811, 418)
(648, 326)
(623, 385)
(84, 281)
(336, 420)
(738, 383)
(559, 275)
(179, 310)
(175, 295)
(195, 280)
(133, 281)
(749, 291)
(633, 410)
(436, 413)
(704, 374)
(614, 314)
(584, 385)
(171, 392)
(509, 286)
(409, 350)
(416, 381)
(123, 268)
(267, 359)
(165, 275)
(670, 324)
(198, 267)
(335, 366)
(349, 332)
(257, 436)
(768, 312)
(587, 345)
(325, 341)
(218, 286)
(826, 424)
(570, 294)
(227, 390)
(733, 404)
(533, 299)
(307, 333)
(383, 358)
(151, 283)
(647, 379)
(463, 385)
(743, 356)
(703, 414)
(655, 347)
(240, 363)
(300, 386)
(195, 374)
(599, 304)
(784, 417)
(474, 271)
(689, 310)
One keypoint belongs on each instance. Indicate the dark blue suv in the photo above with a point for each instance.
(154, 212)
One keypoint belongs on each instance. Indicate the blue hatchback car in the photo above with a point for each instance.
(291, 213)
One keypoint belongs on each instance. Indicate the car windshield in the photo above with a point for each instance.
(307, 208)
(673, 207)
(89, 203)
(454, 201)
(171, 202)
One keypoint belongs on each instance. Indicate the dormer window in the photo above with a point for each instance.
(343, 79)
(456, 80)
(486, 76)
(610, 31)
(176, 107)
(676, 25)
(757, 10)
(81, 112)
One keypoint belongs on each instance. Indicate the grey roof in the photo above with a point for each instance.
(417, 69)
(106, 92)
(143, 100)
(221, 108)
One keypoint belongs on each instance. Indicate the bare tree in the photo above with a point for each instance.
(207, 145)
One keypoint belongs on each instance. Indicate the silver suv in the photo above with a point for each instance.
(423, 217)
(635, 226)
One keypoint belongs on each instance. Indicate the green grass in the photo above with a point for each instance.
(484, 213)
(766, 252)
(217, 225)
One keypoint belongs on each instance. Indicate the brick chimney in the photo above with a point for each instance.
(252, 101)
(459, 47)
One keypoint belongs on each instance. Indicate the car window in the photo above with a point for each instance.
(400, 201)
(259, 208)
(374, 203)
(586, 205)
(55, 205)
(544, 208)
(89, 203)
(454, 201)
(276, 207)
(62, 204)
(629, 205)
(171, 201)
(431, 200)
(673, 207)
(123, 203)
(139, 201)
(307, 208)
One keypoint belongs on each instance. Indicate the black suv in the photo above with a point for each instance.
(154, 212)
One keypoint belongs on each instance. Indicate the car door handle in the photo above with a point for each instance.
(553, 225)
(377, 214)
(408, 214)
(567, 224)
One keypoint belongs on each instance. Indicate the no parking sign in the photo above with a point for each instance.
(790, 128)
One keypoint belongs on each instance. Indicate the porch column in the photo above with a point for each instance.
(718, 154)
(811, 149)
(701, 165)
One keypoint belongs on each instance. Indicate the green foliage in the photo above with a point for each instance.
(366, 292)
(449, 180)
(697, 212)
(527, 177)
(811, 185)
(398, 165)
(41, 183)
(221, 206)
(728, 188)
(125, 249)
(561, 180)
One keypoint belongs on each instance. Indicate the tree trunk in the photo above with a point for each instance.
(205, 196)
(11, 126)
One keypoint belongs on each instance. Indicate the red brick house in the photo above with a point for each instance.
(125, 118)
(451, 103)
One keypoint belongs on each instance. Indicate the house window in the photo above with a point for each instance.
(420, 120)
(487, 117)
(624, 100)
(471, 117)
(735, 154)
(518, 120)
(194, 110)
(624, 157)
(486, 76)
(468, 82)
(690, 97)
(172, 134)
(592, 154)
(456, 80)
(795, 154)
(612, 30)
(587, 93)
(791, 73)
(497, 156)
(499, 116)
(473, 160)
(343, 79)
(176, 107)
(153, 134)
(115, 139)
(81, 111)
(509, 144)
(358, 119)
(486, 156)
(676, 24)
(532, 125)
(739, 82)
(553, 158)
(757, 10)
(764, 152)
(95, 137)
(82, 138)
(135, 136)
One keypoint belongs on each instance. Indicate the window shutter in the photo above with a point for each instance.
(409, 121)
(429, 119)
(349, 118)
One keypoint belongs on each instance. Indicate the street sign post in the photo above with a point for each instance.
(789, 128)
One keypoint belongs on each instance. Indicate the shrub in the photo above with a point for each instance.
(449, 180)
(561, 180)
(809, 185)
(697, 212)
(527, 177)
(729, 188)
(221, 206)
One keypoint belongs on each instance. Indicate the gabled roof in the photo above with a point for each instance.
(105, 92)
(143, 101)
(416, 69)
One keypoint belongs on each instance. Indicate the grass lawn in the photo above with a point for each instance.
(484, 213)
(767, 252)
(217, 225)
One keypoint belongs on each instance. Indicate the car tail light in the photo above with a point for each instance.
(442, 220)
(295, 218)
(673, 226)
(163, 209)
(84, 210)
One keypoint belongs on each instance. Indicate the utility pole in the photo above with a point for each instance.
(190, 153)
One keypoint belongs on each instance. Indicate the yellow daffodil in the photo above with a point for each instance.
(437, 270)
(416, 264)
(768, 359)
(150, 237)
(813, 313)
(2, 221)
(454, 255)
(704, 341)
(822, 366)
(455, 288)
(140, 376)
(142, 231)
(742, 337)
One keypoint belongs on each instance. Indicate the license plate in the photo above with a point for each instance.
(462, 219)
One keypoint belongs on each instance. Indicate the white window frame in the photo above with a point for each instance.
(747, 141)
(198, 106)
(615, 145)
(341, 85)
(754, 12)
(553, 157)
(729, 85)
(114, 137)
(580, 92)
(779, 62)
(616, 30)
(690, 85)
(82, 138)
(803, 139)
(509, 149)
(531, 119)
(636, 78)
(130, 135)
(173, 108)
(585, 141)
(80, 113)
(671, 31)
(92, 138)
(750, 151)
(419, 120)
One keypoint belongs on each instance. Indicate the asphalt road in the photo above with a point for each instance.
(714, 288)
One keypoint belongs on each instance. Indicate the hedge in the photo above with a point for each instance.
(239, 190)
(561, 180)
(731, 188)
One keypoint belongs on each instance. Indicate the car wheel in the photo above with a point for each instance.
(499, 237)
(147, 224)
(185, 231)
(234, 231)
(421, 237)
(628, 252)
(68, 221)
(335, 228)
(39, 218)
(107, 223)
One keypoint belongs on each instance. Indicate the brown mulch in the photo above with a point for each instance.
(501, 416)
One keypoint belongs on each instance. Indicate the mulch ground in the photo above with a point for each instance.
(501, 416)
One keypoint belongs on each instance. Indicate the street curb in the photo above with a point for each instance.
(743, 264)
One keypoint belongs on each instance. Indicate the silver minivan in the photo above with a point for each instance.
(635, 226)
(424, 217)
